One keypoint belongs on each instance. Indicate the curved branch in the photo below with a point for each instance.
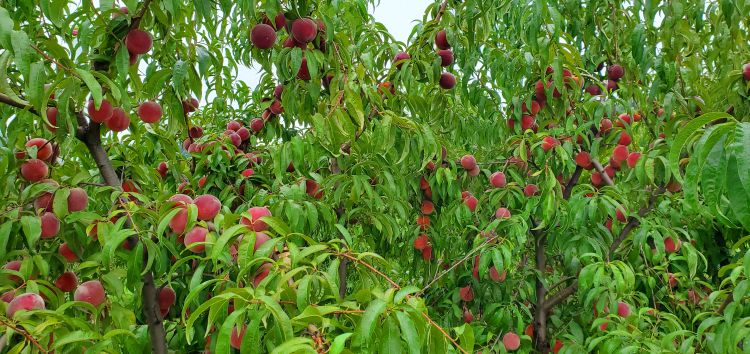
(600, 169)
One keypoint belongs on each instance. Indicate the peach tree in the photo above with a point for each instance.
(518, 176)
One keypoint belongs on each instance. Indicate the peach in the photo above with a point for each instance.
(446, 57)
(468, 162)
(276, 107)
(52, 113)
(548, 143)
(181, 199)
(530, 190)
(427, 207)
(401, 58)
(475, 171)
(195, 238)
(447, 81)
(247, 172)
(620, 153)
(92, 292)
(44, 148)
(304, 30)
(594, 90)
(50, 225)
(623, 309)
(427, 253)
(208, 207)
(254, 221)
(190, 105)
(583, 159)
(25, 302)
(511, 341)
(262, 273)
(746, 72)
(119, 120)
(34, 170)
(615, 72)
(78, 200)
(421, 242)
(243, 133)
(625, 139)
(150, 112)
(67, 282)
(502, 213)
(466, 293)
(235, 339)
(304, 72)
(162, 169)
(497, 179)
(257, 124)
(471, 202)
(263, 36)
(194, 132)
(612, 85)
(166, 297)
(596, 179)
(15, 266)
(468, 317)
(423, 221)
(67, 253)
(441, 40)
(497, 276)
(101, 114)
(179, 221)
(138, 41)
(672, 246)
(260, 239)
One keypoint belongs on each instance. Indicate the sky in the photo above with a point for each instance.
(396, 15)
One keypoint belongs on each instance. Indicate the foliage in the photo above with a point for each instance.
(383, 235)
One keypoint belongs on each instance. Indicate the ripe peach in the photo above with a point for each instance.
(623, 120)
(612, 85)
(475, 171)
(441, 40)
(254, 221)
(166, 297)
(620, 153)
(247, 172)
(528, 122)
(471, 202)
(179, 221)
(44, 148)
(421, 242)
(263, 36)
(583, 159)
(208, 207)
(235, 339)
(278, 22)
(196, 236)
(67, 282)
(623, 309)
(594, 90)
(557, 347)
(633, 159)
(427, 253)
(78, 200)
(625, 139)
(548, 143)
(672, 246)
(138, 41)
(181, 199)
(50, 225)
(497, 179)
(446, 57)
(92, 292)
(605, 125)
(304, 30)
(466, 293)
(620, 215)
(262, 273)
(150, 112)
(34, 170)
(119, 120)
(423, 221)
(190, 105)
(67, 253)
(52, 113)
(16, 266)
(511, 341)
(615, 72)
(468, 317)
(276, 107)
(502, 213)
(468, 162)
(25, 302)
(304, 72)
(427, 207)
(243, 133)
(102, 114)
(400, 58)
(596, 179)
(746, 72)
(530, 190)
(497, 276)
(162, 169)
(447, 81)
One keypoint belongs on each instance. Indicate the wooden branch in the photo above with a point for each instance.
(25, 334)
(572, 182)
(724, 304)
(137, 19)
(561, 296)
(437, 326)
(600, 169)
(633, 222)
(370, 267)
(22, 105)
(441, 11)
(461, 261)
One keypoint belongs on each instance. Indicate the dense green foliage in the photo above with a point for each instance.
(592, 155)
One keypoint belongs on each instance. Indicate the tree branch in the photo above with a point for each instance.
(561, 296)
(22, 105)
(600, 169)
(724, 304)
(633, 222)
(572, 182)
(26, 335)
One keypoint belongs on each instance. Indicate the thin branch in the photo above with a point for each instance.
(600, 169)
(371, 268)
(461, 261)
(560, 296)
(572, 182)
(633, 222)
(22, 105)
(724, 304)
(26, 335)
(441, 11)
(437, 326)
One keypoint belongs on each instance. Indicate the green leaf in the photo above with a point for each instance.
(32, 229)
(92, 84)
(685, 133)
(409, 332)
(338, 344)
(371, 319)
(390, 340)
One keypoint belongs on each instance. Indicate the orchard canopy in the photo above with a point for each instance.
(519, 176)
